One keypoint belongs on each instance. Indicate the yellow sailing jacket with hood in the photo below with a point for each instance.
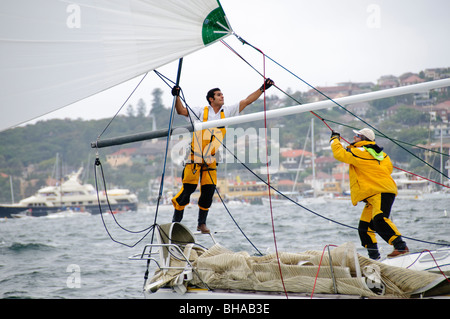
(370, 169)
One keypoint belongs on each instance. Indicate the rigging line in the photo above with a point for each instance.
(403, 142)
(414, 174)
(149, 229)
(161, 186)
(97, 163)
(323, 120)
(301, 206)
(351, 113)
(318, 268)
(422, 177)
(209, 173)
(267, 162)
(268, 176)
(164, 78)
(401, 169)
(293, 201)
(435, 262)
(315, 213)
(307, 209)
(217, 191)
(117, 113)
(262, 75)
(316, 114)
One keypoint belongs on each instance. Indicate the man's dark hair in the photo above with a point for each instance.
(211, 94)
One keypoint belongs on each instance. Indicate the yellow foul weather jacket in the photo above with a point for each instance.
(370, 169)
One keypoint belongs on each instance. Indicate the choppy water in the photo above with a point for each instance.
(73, 256)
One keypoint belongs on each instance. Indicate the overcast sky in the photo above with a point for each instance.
(322, 41)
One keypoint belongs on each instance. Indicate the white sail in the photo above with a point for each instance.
(55, 52)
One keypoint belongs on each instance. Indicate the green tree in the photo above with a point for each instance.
(141, 108)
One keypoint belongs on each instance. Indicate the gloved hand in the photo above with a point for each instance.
(176, 90)
(335, 135)
(267, 84)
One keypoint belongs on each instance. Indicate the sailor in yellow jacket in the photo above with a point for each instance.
(202, 161)
(371, 182)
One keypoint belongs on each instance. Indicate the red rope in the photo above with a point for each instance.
(437, 265)
(268, 175)
(318, 269)
(401, 169)
(319, 117)
(430, 180)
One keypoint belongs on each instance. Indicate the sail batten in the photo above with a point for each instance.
(54, 53)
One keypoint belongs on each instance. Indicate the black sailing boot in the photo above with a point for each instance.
(177, 216)
(202, 215)
(373, 251)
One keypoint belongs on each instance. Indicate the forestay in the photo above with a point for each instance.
(54, 53)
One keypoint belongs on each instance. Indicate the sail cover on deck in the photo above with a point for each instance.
(55, 52)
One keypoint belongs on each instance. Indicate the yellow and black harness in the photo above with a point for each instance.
(206, 142)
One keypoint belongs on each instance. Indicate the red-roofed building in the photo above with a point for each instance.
(442, 110)
(121, 157)
(410, 80)
(291, 159)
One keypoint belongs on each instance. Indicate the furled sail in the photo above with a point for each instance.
(55, 52)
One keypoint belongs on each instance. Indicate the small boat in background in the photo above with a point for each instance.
(71, 195)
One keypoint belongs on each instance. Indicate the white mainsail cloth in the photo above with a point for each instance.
(55, 52)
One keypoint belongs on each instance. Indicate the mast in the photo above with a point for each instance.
(290, 110)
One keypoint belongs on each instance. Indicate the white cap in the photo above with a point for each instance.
(367, 132)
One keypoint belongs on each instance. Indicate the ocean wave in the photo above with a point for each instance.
(22, 247)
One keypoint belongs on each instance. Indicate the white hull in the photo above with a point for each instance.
(192, 294)
(436, 261)
(188, 271)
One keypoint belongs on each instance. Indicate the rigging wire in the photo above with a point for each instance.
(434, 260)
(118, 111)
(148, 229)
(399, 141)
(318, 268)
(182, 97)
(180, 63)
(209, 173)
(268, 176)
(323, 120)
(269, 186)
(342, 107)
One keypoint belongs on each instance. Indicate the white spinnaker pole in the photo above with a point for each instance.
(415, 88)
